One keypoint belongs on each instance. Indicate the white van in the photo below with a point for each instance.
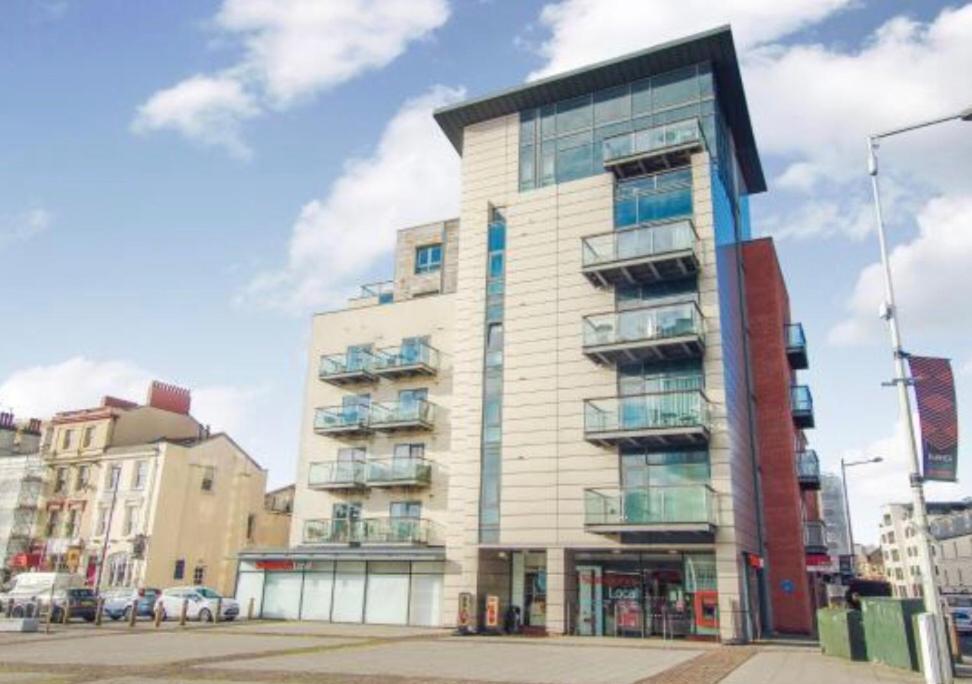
(31, 590)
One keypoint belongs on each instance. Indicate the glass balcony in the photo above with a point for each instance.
(336, 475)
(801, 402)
(399, 472)
(347, 368)
(375, 293)
(644, 253)
(416, 531)
(341, 420)
(653, 149)
(660, 419)
(796, 346)
(674, 331)
(815, 536)
(415, 414)
(413, 358)
(808, 469)
(669, 507)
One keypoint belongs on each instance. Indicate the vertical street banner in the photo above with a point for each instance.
(935, 393)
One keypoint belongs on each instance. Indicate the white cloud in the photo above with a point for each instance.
(25, 225)
(202, 108)
(412, 177)
(931, 277)
(79, 382)
(292, 50)
(587, 31)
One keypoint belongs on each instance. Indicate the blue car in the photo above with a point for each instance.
(119, 604)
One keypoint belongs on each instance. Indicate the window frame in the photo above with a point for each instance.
(428, 258)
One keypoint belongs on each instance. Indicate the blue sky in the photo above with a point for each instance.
(182, 183)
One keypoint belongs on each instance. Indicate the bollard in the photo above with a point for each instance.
(50, 615)
(99, 611)
(158, 615)
(219, 609)
(249, 609)
(66, 613)
(10, 607)
(183, 612)
(132, 615)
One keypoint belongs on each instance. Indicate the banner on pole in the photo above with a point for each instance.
(935, 394)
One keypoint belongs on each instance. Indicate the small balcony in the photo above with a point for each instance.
(801, 403)
(407, 360)
(677, 508)
(336, 475)
(815, 537)
(398, 531)
(347, 369)
(375, 293)
(676, 331)
(653, 149)
(679, 418)
(796, 346)
(342, 421)
(398, 472)
(392, 416)
(646, 253)
(808, 469)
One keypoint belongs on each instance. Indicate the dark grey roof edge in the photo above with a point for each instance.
(715, 45)
(376, 552)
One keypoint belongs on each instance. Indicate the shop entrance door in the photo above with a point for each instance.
(590, 600)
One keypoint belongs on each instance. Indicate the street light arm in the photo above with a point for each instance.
(964, 115)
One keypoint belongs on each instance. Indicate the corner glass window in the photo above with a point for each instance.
(674, 88)
(574, 114)
(428, 258)
(613, 104)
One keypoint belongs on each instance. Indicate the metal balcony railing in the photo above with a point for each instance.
(417, 358)
(670, 412)
(808, 467)
(383, 291)
(357, 365)
(815, 536)
(796, 345)
(386, 472)
(644, 251)
(390, 415)
(336, 419)
(801, 402)
(336, 474)
(369, 531)
(659, 327)
(674, 505)
(657, 140)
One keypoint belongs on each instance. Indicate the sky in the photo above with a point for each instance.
(183, 183)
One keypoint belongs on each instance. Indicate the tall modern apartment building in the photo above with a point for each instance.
(556, 402)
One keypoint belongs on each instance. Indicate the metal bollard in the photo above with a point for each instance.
(50, 615)
(66, 613)
(249, 609)
(10, 607)
(219, 609)
(183, 612)
(132, 615)
(158, 616)
(99, 611)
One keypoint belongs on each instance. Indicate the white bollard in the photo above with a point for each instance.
(931, 643)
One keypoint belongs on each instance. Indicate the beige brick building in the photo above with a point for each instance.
(549, 404)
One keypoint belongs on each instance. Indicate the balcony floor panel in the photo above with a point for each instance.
(346, 432)
(651, 437)
(644, 269)
(398, 483)
(619, 528)
(810, 484)
(396, 427)
(797, 358)
(652, 161)
(683, 347)
(337, 486)
(803, 419)
(413, 370)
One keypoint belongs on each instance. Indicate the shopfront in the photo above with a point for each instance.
(642, 594)
(355, 590)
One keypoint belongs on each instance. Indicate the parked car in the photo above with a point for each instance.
(31, 593)
(118, 603)
(201, 606)
(962, 619)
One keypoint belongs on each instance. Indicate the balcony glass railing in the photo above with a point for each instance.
(801, 399)
(417, 411)
(336, 473)
(667, 410)
(340, 364)
(406, 355)
(795, 339)
(641, 242)
(653, 139)
(643, 325)
(369, 531)
(393, 470)
(383, 291)
(808, 466)
(341, 417)
(676, 504)
(815, 534)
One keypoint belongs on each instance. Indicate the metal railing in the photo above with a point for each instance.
(795, 338)
(418, 411)
(664, 410)
(339, 364)
(383, 291)
(398, 470)
(644, 325)
(815, 534)
(406, 355)
(369, 531)
(643, 241)
(801, 399)
(808, 465)
(336, 473)
(653, 505)
(654, 139)
(341, 417)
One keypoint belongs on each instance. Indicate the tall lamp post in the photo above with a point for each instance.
(844, 465)
(900, 379)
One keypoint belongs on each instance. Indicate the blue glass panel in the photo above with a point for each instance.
(548, 121)
(612, 104)
(674, 88)
(574, 163)
(625, 211)
(527, 167)
(497, 237)
(574, 114)
(527, 126)
(495, 265)
(641, 96)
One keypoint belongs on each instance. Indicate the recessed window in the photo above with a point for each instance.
(66, 437)
(208, 479)
(88, 436)
(180, 569)
(428, 258)
(138, 477)
(198, 574)
(84, 473)
(60, 480)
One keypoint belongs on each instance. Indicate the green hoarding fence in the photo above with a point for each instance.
(889, 631)
(841, 633)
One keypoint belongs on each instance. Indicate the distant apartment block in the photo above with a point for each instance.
(580, 397)
(21, 481)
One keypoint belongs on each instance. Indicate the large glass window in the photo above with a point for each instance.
(281, 595)
(643, 377)
(663, 469)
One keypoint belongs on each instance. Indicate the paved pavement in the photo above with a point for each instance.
(260, 652)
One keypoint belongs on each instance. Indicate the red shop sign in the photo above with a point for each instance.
(275, 565)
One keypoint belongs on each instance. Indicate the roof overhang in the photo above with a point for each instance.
(715, 46)
(345, 552)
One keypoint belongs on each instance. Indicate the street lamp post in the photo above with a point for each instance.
(844, 465)
(900, 379)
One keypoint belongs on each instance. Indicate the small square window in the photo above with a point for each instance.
(428, 258)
